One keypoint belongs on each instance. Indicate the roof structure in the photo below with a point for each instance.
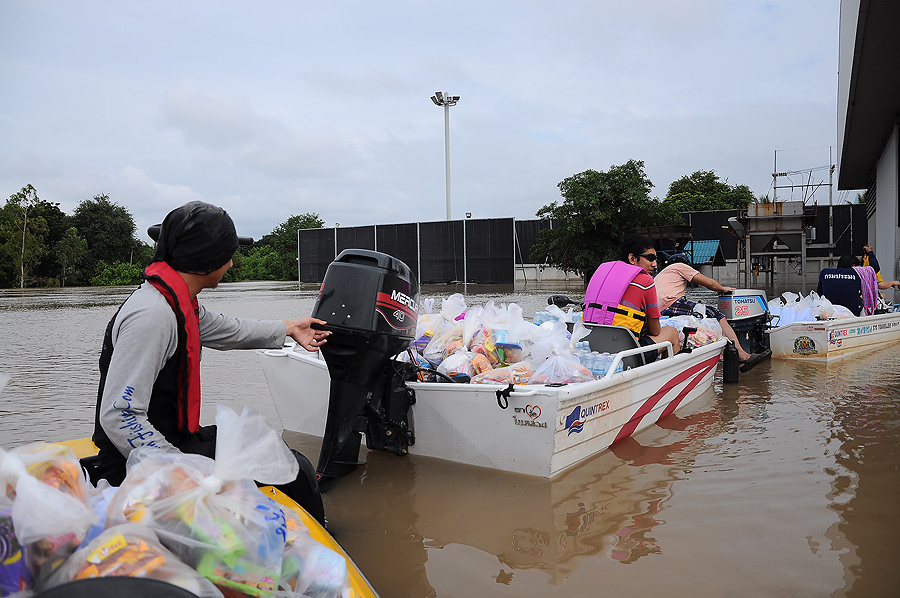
(705, 252)
(869, 95)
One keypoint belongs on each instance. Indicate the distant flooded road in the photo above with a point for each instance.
(783, 485)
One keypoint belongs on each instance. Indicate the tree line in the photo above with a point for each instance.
(96, 245)
(599, 208)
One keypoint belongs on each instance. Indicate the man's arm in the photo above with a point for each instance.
(711, 284)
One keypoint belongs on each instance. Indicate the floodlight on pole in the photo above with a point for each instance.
(446, 100)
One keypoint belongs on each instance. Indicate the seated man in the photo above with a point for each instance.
(622, 293)
(851, 285)
(671, 284)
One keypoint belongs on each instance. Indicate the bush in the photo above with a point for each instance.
(116, 274)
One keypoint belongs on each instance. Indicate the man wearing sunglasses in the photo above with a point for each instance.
(622, 293)
(671, 284)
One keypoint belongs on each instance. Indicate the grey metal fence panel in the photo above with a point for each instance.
(400, 241)
(489, 251)
(316, 252)
(441, 251)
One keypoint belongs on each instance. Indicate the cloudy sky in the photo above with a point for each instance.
(277, 107)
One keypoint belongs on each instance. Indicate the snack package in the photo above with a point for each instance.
(15, 576)
(210, 513)
(444, 344)
(51, 514)
(708, 331)
(132, 550)
(458, 366)
(516, 373)
(54, 465)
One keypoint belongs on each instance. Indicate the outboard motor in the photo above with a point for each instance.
(747, 311)
(370, 303)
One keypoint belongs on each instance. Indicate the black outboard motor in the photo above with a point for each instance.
(747, 311)
(370, 303)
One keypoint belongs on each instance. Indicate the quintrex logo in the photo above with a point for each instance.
(575, 420)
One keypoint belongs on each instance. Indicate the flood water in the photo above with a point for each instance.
(786, 484)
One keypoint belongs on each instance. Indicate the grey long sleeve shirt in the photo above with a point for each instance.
(145, 337)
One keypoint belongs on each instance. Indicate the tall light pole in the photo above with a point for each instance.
(446, 100)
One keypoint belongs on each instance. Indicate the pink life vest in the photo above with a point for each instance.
(605, 291)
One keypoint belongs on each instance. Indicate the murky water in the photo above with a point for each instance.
(783, 485)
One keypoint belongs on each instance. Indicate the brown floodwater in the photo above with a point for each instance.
(783, 485)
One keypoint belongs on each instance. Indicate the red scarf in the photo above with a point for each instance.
(168, 282)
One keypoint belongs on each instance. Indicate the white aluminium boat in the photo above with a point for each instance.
(825, 340)
(536, 430)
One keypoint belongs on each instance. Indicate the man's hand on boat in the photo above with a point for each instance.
(306, 336)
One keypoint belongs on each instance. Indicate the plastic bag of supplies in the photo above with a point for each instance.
(210, 513)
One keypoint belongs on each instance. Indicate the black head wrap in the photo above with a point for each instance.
(197, 237)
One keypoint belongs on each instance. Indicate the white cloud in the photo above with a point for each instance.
(282, 108)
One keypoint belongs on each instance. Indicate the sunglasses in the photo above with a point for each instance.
(650, 257)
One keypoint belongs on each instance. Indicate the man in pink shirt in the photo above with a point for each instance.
(671, 283)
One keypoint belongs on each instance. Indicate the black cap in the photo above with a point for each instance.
(197, 237)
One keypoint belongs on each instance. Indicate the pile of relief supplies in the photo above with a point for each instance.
(492, 344)
(791, 307)
(198, 523)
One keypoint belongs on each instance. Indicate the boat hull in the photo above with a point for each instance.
(829, 340)
(537, 430)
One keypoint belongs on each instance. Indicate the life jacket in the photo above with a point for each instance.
(174, 408)
(603, 299)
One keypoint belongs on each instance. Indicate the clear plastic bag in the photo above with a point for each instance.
(132, 550)
(445, 344)
(458, 366)
(453, 307)
(517, 373)
(561, 368)
(310, 569)
(51, 513)
(709, 330)
(210, 513)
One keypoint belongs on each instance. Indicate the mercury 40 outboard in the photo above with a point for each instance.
(370, 303)
(747, 311)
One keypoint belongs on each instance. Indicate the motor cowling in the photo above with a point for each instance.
(747, 312)
(370, 303)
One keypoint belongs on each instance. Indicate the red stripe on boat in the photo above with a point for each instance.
(703, 367)
(674, 403)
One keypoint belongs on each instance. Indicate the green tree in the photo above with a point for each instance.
(703, 190)
(69, 251)
(598, 210)
(283, 240)
(23, 232)
(260, 263)
(108, 229)
(116, 274)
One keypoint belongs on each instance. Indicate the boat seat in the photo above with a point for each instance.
(605, 338)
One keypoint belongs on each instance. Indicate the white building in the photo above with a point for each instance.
(869, 120)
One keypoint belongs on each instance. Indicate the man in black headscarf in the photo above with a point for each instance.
(149, 392)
